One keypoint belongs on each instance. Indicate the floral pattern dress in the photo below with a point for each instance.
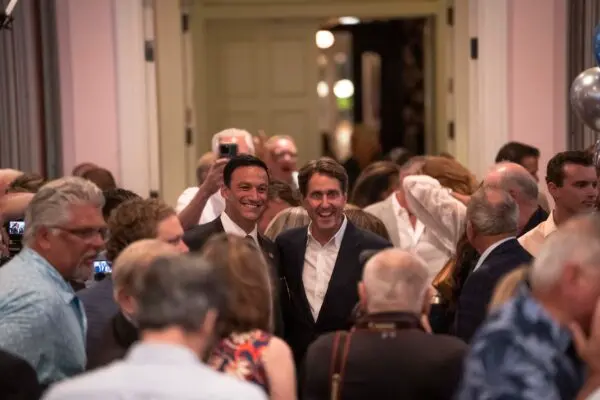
(240, 355)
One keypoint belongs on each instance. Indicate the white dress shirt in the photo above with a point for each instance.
(155, 371)
(489, 250)
(215, 204)
(420, 240)
(533, 240)
(234, 229)
(319, 262)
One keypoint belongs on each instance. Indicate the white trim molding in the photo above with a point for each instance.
(131, 96)
(489, 130)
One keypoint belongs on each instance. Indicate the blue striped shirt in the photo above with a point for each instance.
(41, 319)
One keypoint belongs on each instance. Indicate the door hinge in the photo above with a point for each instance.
(451, 133)
(185, 22)
(149, 50)
(188, 136)
(474, 48)
(450, 16)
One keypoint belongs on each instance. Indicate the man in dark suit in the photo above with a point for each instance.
(17, 379)
(320, 263)
(245, 190)
(492, 216)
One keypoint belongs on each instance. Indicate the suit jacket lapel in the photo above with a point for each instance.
(347, 258)
(218, 225)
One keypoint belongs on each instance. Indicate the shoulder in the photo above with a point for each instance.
(377, 208)
(367, 240)
(291, 236)
(201, 233)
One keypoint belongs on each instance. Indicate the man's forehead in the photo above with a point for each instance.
(580, 171)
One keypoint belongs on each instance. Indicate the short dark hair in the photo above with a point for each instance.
(102, 177)
(555, 172)
(26, 183)
(243, 160)
(324, 166)
(114, 197)
(373, 182)
(284, 191)
(516, 152)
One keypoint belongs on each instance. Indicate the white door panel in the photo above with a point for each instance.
(263, 75)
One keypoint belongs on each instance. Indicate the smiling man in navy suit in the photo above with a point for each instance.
(320, 263)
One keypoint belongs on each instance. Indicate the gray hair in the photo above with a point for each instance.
(232, 132)
(50, 205)
(522, 181)
(490, 218)
(395, 280)
(577, 241)
(179, 291)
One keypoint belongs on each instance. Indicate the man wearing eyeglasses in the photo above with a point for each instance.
(281, 158)
(41, 319)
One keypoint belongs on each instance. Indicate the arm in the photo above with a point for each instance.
(279, 366)
(191, 214)
(13, 205)
(436, 208)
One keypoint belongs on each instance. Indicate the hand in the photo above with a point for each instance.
(214, 177)
(588, 348)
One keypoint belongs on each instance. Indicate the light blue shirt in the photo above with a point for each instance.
(159, 372)
(41, 319)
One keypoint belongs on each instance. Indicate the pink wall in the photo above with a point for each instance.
(537, 75)
(88, 83)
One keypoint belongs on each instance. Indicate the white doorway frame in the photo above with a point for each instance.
(435, 137)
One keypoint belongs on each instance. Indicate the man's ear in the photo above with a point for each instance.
(362, 296)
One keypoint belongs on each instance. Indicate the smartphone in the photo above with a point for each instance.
(102, 267)
(16, 228)
(228, 150)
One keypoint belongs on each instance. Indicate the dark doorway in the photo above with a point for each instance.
(401, 106)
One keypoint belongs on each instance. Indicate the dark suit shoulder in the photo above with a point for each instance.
(292, 236)
(368, 240)
(195, 237)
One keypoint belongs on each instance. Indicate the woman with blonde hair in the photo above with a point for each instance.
(293, 217)
(245, 346)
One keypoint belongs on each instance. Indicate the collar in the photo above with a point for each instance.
(417, 231)
(489, 250)
(398, 209)
(397, 320)
(32, 258)
(336, 239)
(539, 216)
(234, 229)
(163, 353)
(548, 226)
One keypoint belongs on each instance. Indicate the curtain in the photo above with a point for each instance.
(29, 115)
(583, 16)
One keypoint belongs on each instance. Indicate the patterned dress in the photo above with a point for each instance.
(240, 355)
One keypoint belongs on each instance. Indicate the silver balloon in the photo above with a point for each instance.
(585, 97)
(597, 153)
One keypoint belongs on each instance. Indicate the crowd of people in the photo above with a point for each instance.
(414, 280)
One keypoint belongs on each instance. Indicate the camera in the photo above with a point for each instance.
(228, 150)
(15, 230)
(102, 268)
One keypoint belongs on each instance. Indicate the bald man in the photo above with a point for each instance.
(392, 352)
(282, 158)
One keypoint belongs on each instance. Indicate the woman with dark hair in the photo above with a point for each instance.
(245, 347)
(375, 183)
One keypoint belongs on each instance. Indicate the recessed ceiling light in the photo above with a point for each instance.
(349, 20)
